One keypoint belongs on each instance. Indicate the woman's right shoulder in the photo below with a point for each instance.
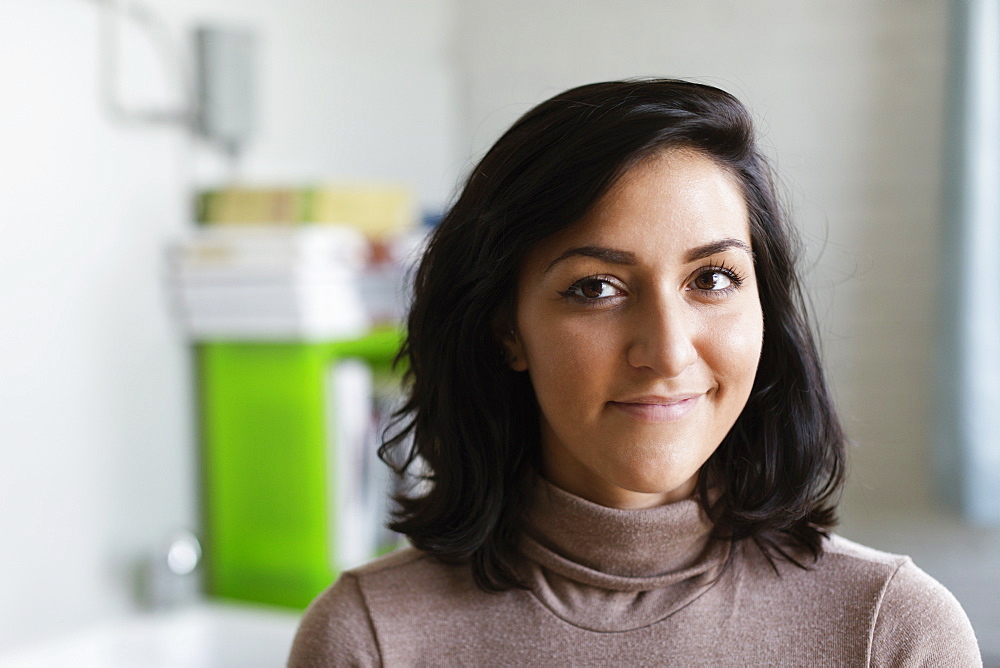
(336, 629)
(341, 626)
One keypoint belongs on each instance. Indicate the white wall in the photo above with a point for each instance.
(96, 414)
(349, 90)
(849, 96)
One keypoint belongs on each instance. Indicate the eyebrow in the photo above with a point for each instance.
(616, 256)
(610, 255)
(708, 250)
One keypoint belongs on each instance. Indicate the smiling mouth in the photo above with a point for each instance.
(671, 409)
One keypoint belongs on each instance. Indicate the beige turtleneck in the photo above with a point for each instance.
(638, 587)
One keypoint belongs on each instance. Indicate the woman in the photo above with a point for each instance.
(633, 456)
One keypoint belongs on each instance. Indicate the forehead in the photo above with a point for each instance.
(664, 206)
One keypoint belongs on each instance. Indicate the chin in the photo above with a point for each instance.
(669, 485)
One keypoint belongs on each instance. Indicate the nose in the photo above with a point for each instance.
(663, 336)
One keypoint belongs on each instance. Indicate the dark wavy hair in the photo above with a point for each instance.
(472, 423)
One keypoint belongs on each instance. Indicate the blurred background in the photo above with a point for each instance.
(882, 119)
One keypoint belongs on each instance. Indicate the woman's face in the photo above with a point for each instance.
(640, 327)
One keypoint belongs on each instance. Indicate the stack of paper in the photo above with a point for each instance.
(256, 282)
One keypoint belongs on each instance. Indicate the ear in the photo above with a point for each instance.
(514, 350)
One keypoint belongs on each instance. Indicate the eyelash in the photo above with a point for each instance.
(580, 299)
(735, 278)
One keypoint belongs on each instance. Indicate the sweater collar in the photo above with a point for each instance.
(627, 543)
(611, 570)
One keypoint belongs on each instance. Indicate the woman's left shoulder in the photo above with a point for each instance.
(916, 619)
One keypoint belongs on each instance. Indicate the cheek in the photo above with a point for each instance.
(569, 359)
(733, 346)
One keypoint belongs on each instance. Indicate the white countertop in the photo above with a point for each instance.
(204, 635)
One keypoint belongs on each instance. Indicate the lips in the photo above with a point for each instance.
(653, 408)
(660, 400)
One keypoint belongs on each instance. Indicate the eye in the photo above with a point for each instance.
(591, 289)
(713, 280)
(716, 280)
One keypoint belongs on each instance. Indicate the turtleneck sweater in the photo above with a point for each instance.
(638, 587)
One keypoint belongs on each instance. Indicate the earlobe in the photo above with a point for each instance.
(517, 362)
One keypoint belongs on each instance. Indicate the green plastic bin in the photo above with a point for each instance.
(268, 515)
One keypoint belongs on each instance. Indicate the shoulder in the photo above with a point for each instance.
(335, 630)
(372, 610)
(406, 591)
(844, 570)
(337, 627)
(919, 622)
(849, 559)
(915, 619)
